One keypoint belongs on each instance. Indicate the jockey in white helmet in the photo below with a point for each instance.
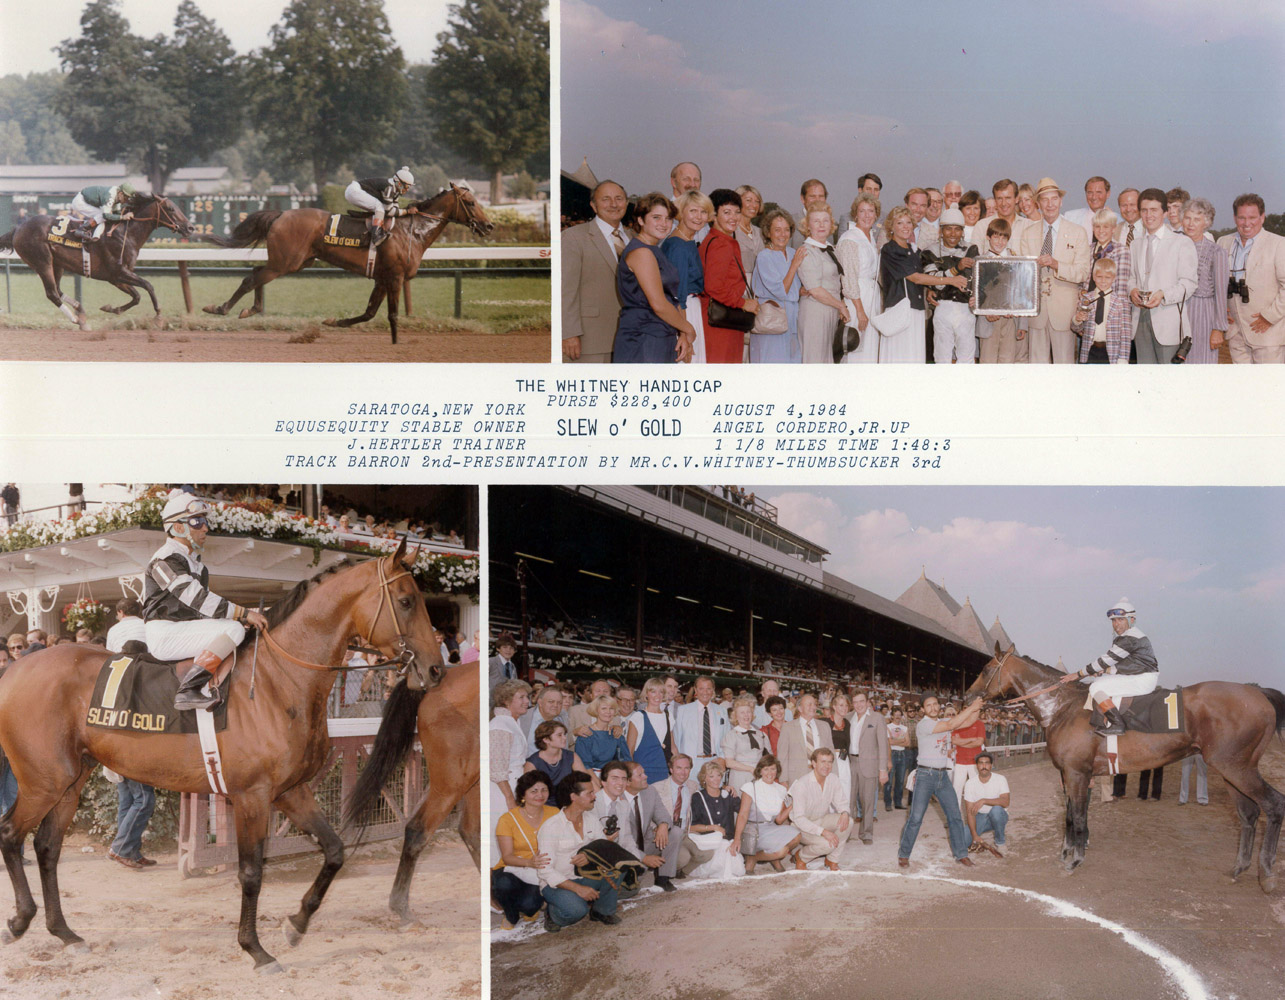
(184, 618)
(379, 196)
(1127, 669)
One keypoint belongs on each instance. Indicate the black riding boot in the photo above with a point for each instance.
(1113, 723)
(190, 695)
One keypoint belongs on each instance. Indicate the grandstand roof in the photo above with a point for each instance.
(969, 627)
(1000, 635)
(871, 601)
(930, 599)
(582, 174)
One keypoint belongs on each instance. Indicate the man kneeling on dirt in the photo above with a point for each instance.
(986, 804)
(379, 195)
(183, 617)
(820, 811)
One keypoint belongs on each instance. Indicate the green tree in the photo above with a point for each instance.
(152, 100)
(13, 144)
(331, 84)
(488, 87)
(28, 102)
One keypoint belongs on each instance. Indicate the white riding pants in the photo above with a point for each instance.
(167, 640)
(357, 195)
(78, 204)
(1117, 686)
(954, 333)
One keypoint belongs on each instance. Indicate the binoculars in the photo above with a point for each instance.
(1237, 286)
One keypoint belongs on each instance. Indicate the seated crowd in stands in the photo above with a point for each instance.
(692, 783)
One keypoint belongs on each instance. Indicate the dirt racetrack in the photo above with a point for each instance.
(153, 934)
(310, 343)
(1156, 875)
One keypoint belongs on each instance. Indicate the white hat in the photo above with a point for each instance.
(405, 176)
(179, 506)
(1123, 609)
(952, 217)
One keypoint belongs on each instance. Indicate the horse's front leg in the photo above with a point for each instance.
(1077, 803)
(372, 307)
(250, 810)
(128, 290)
(128, 278)
(300, 805)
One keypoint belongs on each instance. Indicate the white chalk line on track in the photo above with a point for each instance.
(1179, 972)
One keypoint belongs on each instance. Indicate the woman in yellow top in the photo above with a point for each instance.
(515, 887)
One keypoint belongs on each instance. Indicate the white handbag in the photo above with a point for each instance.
(893, 321)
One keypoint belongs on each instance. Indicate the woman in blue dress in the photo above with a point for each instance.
(552, 756)
(770, 267)
(683, 250)
(602, 744)
(648, 732)
(652, 328)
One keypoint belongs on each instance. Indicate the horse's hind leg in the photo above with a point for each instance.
(372, 307)
(128, 290)
(14, 828)
(253, 281)
(251, 814)
(52, 805)
(49, 837)
(1248, 811)
(302, 808)
(69, 307)
(471, 823)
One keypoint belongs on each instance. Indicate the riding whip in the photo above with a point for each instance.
(254, 663)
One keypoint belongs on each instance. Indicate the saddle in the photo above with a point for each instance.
(135, 692)
(1162, 711)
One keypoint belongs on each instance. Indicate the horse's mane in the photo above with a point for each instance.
(461, 186)
(288, 605)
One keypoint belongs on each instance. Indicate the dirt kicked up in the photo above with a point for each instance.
(1152, 913)
(152, 934)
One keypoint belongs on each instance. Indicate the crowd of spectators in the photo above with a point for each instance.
(695, 782)
(741, 279)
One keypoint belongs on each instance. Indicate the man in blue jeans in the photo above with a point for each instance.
(568, 896)
(134, 805)
(932, 779)
(899, 744)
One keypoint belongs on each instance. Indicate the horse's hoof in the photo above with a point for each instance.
(7, 936)
(108, 309)
(269, 968)
(330, 322)
(214, 310)
(76, 948)
(292, 933)
(1268, 884)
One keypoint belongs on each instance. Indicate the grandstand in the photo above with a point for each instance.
(635, 580)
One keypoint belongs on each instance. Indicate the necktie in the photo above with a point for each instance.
(638, 827)
(829, 252)
(678, 805)
(1047, 247)
(618, 242)
(1128, 239)
(669, 734)
(1147, 254)
(753, 742)
(707, 747)
(508, 670)
(809, 741)
(1099, 315)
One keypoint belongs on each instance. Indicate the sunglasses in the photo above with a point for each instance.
(1118, 613)
(17, 647)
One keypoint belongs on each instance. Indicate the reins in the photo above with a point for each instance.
(1021, 697)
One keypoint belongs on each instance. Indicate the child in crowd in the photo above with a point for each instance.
(998, 334)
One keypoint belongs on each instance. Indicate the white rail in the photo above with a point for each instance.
(259, 253)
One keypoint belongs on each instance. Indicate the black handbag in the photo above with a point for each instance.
(731, 317)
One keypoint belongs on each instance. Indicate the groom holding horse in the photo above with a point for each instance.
(184, 618)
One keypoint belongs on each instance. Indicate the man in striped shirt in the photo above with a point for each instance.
(184, 618)
(1127, 669)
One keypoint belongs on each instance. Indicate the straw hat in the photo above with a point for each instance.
(1048, 184)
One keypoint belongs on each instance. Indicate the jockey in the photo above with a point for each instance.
(183, 617)
(1127, 669)
(99, 203)
(379, 195)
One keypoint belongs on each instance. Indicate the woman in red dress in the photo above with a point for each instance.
(725, 278)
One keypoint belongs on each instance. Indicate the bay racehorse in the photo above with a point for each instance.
(274, 743)
(447, 722)
(110, 259)
(295, 238)
(1231, 724)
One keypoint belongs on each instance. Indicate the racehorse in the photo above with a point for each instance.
(447, 722)
(274, 744)
(110, 259)
(296, 237)
(1231, 724)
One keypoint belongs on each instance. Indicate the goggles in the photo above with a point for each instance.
(1119, 613)
(200, 521)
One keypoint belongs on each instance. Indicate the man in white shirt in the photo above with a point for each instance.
(699, 727)
(986, 800)
(560, 839)
(129, 626)
(820, 811)
(768, 689)
(618, 799)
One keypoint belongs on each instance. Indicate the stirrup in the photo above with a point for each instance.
(190, 697)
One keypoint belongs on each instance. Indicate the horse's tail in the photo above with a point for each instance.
(392, 743)
(248, 233)
(1278, 702)
(6, 241)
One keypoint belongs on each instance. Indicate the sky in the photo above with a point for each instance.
(26, 42)
(1149, 92)
(1204, 567)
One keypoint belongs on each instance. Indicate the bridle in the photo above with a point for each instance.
(163, 216)
(469, 219)
(999, 662)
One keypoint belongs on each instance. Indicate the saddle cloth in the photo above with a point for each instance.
(1161, 711)
(69, 231)
(136, 694)
(347, 231)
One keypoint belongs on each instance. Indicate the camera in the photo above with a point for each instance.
(1237, 286)
(610, 825)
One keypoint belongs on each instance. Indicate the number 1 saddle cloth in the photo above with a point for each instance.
(135, 693)
(1161, 711)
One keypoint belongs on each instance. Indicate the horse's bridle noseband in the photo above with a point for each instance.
(163, 217)
(405, 655)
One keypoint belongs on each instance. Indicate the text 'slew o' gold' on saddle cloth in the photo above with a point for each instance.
(136, 694)
(346, 231)
(1161, 711)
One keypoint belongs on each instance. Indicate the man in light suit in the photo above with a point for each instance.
(590, 252)
(692, 736)
(800, 737)
(1131, 227)
(676, 791)
(869, 741)
(547, 708)
(1063, 251)
(1164, 268)
(1255, 329)
(501, 668)
(1096, 192)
